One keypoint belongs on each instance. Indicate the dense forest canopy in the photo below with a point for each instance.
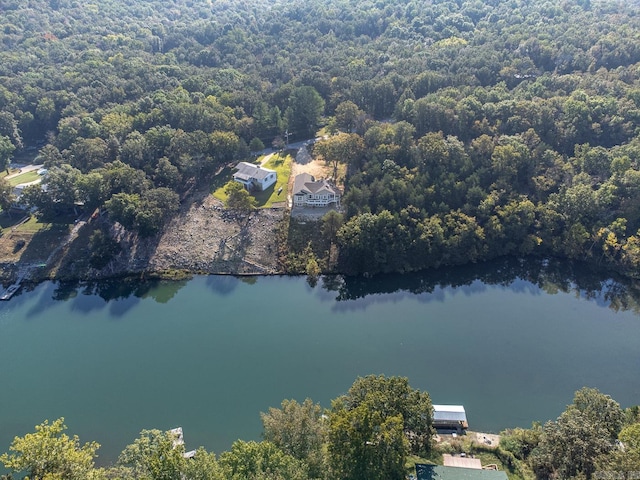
(476, 128)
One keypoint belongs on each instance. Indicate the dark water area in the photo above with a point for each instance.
(510, 340)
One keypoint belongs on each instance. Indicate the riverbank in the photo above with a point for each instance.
(203, 239)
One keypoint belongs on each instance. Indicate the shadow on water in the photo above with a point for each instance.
(530, 275)
(225, 285)
(118, 295)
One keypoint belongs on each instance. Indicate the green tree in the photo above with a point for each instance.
(393, 396)
(92, 189)
(6, 150)
(156, 207)
(238, 198)
(86, 154)
(569, 446)
(50, 156)
(135, 150)
(9, 128)
(345, 148)
(312, 270)
(203, 466)
(364, 444)
(6, 195)
(62, 188)
(521, 441)
(260, 461)
(122, 208)
(346, 116)
(306, 106)
(122, 178)
(154, 455)
(166, 174)
(34, 197)
(45, 111)
(583, 433)
(298, 430)
(278, 143)
(224, 146)
(102, 248)
(600, 409)
(50, 453)
(118, 124)
(627, 458)
(331, 223)
(256, 145)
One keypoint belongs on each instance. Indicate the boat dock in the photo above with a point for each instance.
(10, 291)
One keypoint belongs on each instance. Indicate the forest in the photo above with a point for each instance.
(469, 129)
(378, 430)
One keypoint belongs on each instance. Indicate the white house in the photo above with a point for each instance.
(254, 177)
(309, 192)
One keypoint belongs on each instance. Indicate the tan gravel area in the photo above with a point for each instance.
(306, 164)
(210, 239)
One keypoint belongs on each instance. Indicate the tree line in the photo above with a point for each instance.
(368, 433)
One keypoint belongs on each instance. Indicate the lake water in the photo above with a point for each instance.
(511, 341)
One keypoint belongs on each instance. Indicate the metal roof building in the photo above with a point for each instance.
(438, 472)
(449, 417)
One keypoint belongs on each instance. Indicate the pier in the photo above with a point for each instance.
(11, 290)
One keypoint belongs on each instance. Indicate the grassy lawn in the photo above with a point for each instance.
(277, 192)
(434, 459)
(280, 163)
(7, 221)
(4, 173)
(24, 178)
(35, 224)
(38, 238)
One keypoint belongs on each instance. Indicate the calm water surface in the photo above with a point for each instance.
(212, 353)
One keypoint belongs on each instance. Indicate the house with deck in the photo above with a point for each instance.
(309, 192)
(254, 177)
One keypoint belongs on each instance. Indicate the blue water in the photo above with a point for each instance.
(210, 354)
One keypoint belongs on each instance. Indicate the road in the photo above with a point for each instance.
(25, 169)
(292, 146)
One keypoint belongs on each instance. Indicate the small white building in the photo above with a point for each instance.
(309, 192)
(254, 177)
(450, 417)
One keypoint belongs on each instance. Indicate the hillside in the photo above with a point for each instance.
(467, 130)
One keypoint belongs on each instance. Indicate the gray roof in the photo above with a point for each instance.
(438, 472)
(248, 171)
(306, 184)
(449, 413)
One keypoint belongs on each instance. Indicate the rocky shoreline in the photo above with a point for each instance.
(204, 239)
